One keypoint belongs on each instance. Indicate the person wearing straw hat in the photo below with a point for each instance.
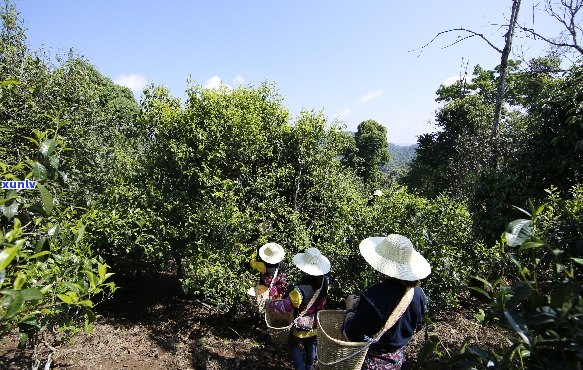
(395, 257)
(305, 299)
(375, 195)
(268, 261)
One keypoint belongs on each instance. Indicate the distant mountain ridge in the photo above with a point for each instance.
(401, 155)
(401, 158)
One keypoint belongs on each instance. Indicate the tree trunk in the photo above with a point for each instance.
(504, 67)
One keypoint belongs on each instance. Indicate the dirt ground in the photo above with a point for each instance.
(150, 327)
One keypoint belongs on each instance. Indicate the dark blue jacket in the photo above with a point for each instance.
(375, 307)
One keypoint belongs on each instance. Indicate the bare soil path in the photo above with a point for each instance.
(148, 326)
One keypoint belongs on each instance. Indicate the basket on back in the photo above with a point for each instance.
(257, 296)
(278, 324)
(335, 352)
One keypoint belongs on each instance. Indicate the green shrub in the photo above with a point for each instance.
(541, 303)
(230, 160)
(440, 229)
(49, 277)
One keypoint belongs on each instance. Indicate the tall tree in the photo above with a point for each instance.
(504, 66)
(504, 57)
(370, 152)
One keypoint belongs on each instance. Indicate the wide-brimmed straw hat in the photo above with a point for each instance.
(271, 253)
(312, 262)
(395, 256)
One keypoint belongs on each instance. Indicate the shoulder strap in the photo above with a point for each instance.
(393, 318)
(273, 278)
(397, 313)
(314, 297)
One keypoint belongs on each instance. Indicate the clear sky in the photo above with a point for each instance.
(351, 59)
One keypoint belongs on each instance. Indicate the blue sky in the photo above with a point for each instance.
(351, 59)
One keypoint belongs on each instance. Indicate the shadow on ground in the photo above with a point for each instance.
(148, 325)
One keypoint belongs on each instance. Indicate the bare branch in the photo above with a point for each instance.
(460, 39)
(570, 8)
(554, 14)
(535, 34)
(458, 30)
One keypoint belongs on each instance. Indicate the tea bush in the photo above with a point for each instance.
(50, 280)
(541, 303)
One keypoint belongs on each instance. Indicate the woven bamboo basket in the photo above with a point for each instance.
(257, 296)
(278, 325)
(335, 352)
